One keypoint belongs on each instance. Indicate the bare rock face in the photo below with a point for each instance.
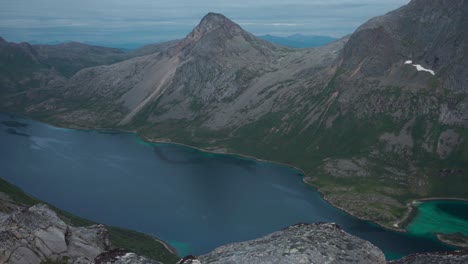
(35, 234)
(457, 257)
(302, 243)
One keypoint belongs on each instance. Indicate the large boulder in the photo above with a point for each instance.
(302, 243)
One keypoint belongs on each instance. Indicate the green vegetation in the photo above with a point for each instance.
(141, 244)
(16, 194)
(133, 241)
(19, 63)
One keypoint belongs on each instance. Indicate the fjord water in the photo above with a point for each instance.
(192, 199)
(440, 216)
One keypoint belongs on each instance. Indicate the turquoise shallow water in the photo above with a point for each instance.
(195, 200)
(440, 216)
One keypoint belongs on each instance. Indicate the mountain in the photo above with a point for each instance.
(206, 71)
(69, 58)
(375, 120)
(26, 67)
(299, 40)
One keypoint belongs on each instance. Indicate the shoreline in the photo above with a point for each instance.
(397, 229)
(400, 226)
(167, 246)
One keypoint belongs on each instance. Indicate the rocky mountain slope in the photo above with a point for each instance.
(363, 117)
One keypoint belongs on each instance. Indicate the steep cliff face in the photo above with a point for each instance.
(428, 33)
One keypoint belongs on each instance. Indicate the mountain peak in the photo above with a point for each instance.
(212, 21)
(215, 29)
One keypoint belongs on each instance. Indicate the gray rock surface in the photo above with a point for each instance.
(35, 234)
(302, 243)
(457, 257)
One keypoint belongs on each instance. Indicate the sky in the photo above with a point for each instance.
(129, 22)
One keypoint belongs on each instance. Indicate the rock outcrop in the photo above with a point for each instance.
(36, 234)
(301, 243)
(456, 257)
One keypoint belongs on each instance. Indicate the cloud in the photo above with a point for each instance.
(142, 21)
(285, 24)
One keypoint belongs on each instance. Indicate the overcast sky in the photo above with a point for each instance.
(148, 21)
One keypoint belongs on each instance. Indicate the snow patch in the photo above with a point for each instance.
(419, 67)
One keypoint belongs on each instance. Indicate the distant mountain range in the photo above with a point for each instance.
(299, 40)
(293, 41)
(371, 131)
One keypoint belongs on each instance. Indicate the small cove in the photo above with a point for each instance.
(439, 216)
(192, 199)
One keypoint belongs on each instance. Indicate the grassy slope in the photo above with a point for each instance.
(133, 241)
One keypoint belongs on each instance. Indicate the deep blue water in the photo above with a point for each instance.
(192, 199)
(457, 209)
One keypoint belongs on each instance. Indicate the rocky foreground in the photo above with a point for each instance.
(301, 243)
(38, 235)
(314, 243)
